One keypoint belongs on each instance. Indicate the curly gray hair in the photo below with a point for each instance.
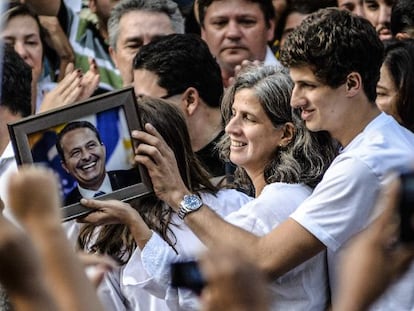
(308, 155)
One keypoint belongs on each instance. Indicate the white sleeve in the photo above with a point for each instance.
(109, 292)
(341, 203)
(149, 269)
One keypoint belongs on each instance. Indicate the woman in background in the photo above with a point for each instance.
(395, 89)
(23, 31)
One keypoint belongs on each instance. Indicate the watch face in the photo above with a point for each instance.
(192, 201)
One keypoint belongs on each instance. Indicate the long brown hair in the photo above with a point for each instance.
(116, 240)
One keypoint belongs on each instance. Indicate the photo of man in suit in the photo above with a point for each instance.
(83, 156)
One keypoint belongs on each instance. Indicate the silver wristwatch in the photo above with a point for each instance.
(189, 204)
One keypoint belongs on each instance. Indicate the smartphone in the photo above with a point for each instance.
(406, 207)
(187, 274)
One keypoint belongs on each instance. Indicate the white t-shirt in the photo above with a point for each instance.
(143, 283)
(342, 203)
(306, 286)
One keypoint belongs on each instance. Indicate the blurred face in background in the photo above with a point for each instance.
(378, 12)
(387, 93)
(23, 33)
(137, 28)
(235, 30)
(354, 6)
(293, 20)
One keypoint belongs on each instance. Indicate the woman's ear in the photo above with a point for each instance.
(288, 134)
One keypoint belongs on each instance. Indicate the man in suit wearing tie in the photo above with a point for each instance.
(83, 155)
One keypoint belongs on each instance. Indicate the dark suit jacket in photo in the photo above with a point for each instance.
(119, 179)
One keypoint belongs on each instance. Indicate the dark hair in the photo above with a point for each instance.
(303, 7)
(70, 127)
(116, 240)
(402, 17)
(309, 154)
(16, 84)
(399, 59)
(334, 43)
(266, 6)
(181, 61)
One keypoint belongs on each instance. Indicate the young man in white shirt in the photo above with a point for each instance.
(335, 71)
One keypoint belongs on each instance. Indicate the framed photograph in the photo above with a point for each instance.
(89, 146)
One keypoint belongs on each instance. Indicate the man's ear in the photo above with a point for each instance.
(353, 84)
(112, 53)
(64, 167)
(190, 100)
(270, 33)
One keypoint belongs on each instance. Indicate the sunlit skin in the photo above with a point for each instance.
(137, 28)
(354, 6)
(254, 139)
(236, 30)
(22, 32)
(293, 20)
(84, 157)
(387, 93)
(378, 13)
(321, 106)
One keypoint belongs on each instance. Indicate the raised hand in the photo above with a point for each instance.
(74, 87)
(154, 153)
(35, 201)
(232, 283)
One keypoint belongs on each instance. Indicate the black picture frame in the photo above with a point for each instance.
(117, 113)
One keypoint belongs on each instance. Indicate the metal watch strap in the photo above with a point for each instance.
(183, 211)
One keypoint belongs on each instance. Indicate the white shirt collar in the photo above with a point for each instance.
(105, 187)
(270, 58)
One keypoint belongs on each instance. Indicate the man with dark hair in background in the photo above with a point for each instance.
(181, 69)
(402, 19)
(237, 30)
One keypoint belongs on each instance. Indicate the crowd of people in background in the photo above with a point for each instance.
(273, 135)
